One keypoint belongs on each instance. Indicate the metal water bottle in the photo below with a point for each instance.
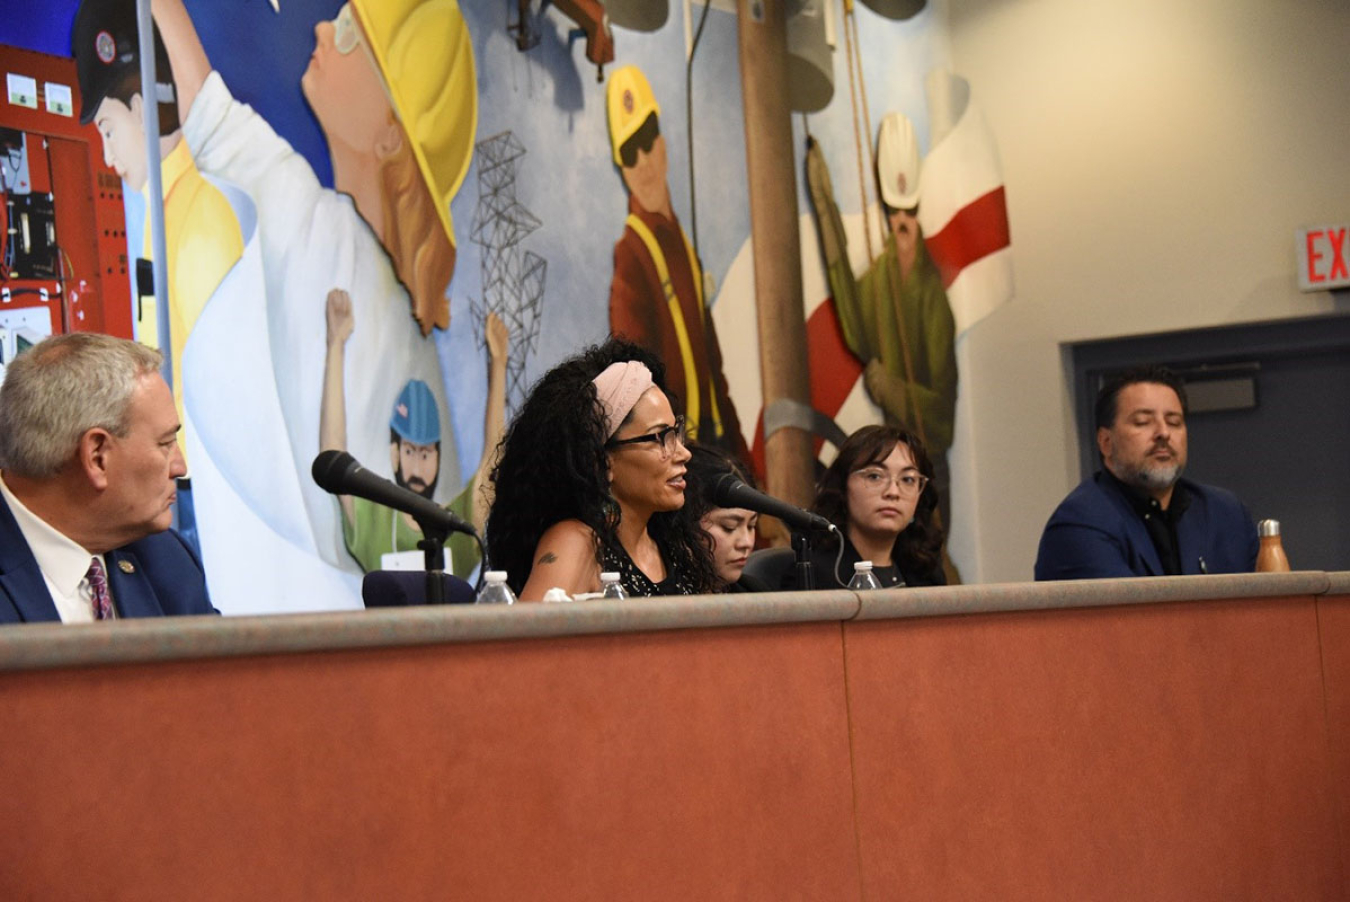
(1270, 558)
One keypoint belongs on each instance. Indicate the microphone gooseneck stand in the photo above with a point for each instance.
(806, 580)
(434, 536)
(433, 556)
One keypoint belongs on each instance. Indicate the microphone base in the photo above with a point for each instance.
(432, 544)
(806, 578)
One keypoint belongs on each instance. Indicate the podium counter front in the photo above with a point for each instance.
(1183, 737)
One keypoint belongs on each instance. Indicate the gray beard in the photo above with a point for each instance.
(1148, 478)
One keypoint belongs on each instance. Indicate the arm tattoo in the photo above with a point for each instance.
(547, 558)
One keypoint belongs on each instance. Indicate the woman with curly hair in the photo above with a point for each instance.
(879, 491)
(729, 532)
(591, 479)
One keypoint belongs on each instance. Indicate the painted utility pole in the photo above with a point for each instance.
(762, 27)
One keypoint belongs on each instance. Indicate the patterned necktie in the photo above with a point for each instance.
(98, 585)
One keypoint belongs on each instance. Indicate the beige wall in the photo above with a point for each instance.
(1158, 158)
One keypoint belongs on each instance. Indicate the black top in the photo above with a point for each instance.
(824, 554)
(1160, 522)
(748, 583)
(636, 583)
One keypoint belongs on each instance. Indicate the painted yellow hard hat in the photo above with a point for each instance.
(426, 58)
(630, 101)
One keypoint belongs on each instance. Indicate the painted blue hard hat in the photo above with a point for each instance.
(415, 416)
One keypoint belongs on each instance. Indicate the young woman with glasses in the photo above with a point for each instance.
(879, 492)
(591, 478)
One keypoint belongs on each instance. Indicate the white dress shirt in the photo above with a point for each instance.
(63, 562)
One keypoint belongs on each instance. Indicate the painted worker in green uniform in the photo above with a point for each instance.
(895, 316)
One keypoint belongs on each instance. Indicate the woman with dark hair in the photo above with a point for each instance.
(728, 532)
(591, 479)
(879, 492)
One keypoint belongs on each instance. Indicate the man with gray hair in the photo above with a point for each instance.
(88, 461)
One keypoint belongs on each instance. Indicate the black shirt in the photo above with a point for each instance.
(824, 555)
(1160, 522)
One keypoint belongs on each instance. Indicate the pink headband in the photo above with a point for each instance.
(618, 388)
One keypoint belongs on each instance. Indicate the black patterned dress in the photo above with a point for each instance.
(636, 583)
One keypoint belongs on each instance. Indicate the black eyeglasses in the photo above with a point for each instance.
(664, 438)
(642, 140)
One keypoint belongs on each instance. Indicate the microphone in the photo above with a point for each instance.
(728, 491)
(339, 473)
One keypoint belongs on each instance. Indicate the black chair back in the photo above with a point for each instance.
(774, 567)
(395, 588)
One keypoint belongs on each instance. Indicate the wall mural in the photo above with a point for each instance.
(385, 218)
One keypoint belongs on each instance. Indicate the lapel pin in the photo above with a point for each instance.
(126, 566)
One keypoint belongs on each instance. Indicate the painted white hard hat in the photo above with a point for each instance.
(898, 162)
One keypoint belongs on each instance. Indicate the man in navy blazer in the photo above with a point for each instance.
(1138, 517)
(89, 460)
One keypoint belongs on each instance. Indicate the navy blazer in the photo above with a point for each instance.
(152, 577)
(1096, 532)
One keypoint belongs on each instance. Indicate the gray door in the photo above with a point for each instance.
(1270, 420)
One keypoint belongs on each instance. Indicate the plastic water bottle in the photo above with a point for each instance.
(495, 590)
(610, 587)
(863, 577)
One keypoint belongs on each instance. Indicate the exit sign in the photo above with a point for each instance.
(1323, 257)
